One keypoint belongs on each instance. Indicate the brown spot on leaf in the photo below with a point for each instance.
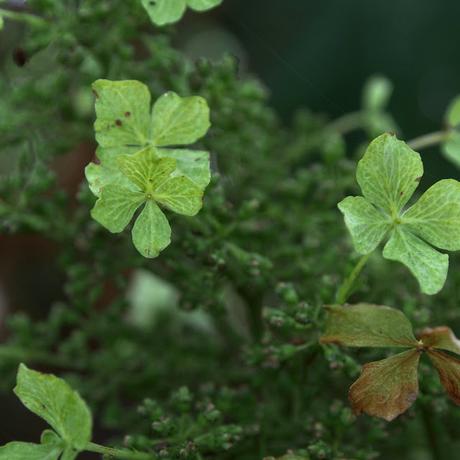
(118, 122)
(418, 179)
(96, 94)
(127, 114)
(20, 57)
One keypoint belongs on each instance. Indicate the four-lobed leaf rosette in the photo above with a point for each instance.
(388, 387)
(388, 175)
(164, 12)
(141, 165)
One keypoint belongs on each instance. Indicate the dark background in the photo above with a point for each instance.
(318, 54)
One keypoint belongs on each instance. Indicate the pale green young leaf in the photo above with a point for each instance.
(29, 451)
(367, 325)
(386, 388)
(203, 5)
(151, 232)
(180, 195)
(116, 207)
(179, 121)
(436, 216)
(453, 113)
(366, 224)
(377, 93)
(52, 399)
(145, 170)
(123, 113)
(451, 148)
(193, 164)
(389, 173)
(440, 338)
(164, 12)
(427, 264)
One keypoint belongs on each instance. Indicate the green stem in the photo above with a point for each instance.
(347, 123)
(346, 287)
(428, 140)
(24, 17)
(118, 453)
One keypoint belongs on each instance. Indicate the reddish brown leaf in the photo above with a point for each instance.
(448, 369)
(387, 388)
(441, 338)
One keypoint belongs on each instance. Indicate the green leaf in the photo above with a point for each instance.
(448, 368)
(154, 177)
(29, 451)
(367, 325)
(179, 121)
(203, 5)
(426, 264)
(123, 113)
(453, 113)
(145, 170)
(180, 195)
(387, 388)
(389, 173)
(151, 232)
(440, 338)
(366, 224)
(164, 12)
(116, 207)
(436, 216)
(52, 399)
(2, 22)
(193, 164)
